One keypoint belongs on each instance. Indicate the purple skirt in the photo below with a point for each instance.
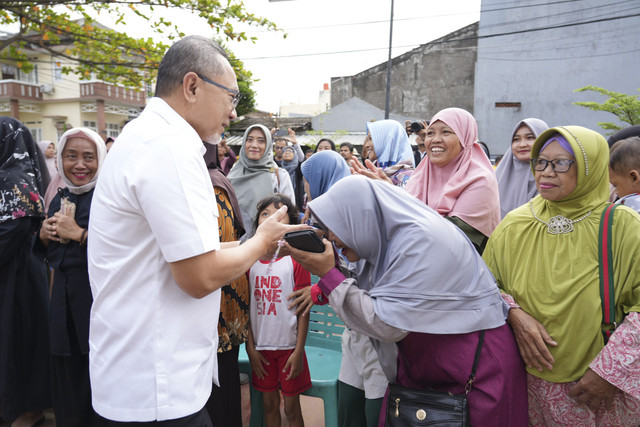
(444, 362)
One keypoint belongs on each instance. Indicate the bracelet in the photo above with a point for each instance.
(83, 237)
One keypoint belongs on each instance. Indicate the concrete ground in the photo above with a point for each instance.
(312, 412)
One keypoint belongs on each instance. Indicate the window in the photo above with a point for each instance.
(91, 125)
(57, 71)
(30, 77)
(9, 72)
(36, 133)
(113, 130)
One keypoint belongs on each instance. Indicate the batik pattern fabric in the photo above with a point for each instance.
(234, 305)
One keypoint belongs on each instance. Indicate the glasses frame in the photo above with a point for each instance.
(534, 161)
(237, 96)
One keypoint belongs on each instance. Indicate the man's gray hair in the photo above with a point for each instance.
(193, 53)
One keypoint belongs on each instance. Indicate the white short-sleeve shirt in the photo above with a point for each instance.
(152, 346)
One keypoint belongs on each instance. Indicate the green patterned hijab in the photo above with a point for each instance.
(592, 162)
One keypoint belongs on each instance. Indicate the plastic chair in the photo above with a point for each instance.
(324, 355)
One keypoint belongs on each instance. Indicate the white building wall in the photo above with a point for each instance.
(541, 69)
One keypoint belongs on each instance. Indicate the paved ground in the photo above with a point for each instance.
(312, 412)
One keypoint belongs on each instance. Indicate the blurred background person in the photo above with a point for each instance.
(516, 183)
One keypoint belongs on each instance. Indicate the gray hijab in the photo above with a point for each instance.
(516, 183)
(251, 179)
(423, 273)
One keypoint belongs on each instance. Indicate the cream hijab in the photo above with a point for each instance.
(101, 150)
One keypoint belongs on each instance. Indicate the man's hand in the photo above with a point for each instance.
(272, 230)
(591, 390)
(532, 339)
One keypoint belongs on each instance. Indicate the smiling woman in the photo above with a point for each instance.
(256, 175)
(64, 235)
(457, 179)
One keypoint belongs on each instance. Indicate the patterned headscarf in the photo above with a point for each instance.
(21, 172)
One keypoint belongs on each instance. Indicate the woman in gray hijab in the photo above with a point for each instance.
(423, 294)
(515, 180)
(255, 174)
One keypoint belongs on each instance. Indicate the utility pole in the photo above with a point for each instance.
(388, 100)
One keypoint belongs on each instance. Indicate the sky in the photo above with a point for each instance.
(328, 38)
(325, 39)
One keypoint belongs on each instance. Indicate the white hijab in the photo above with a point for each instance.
(101, 150)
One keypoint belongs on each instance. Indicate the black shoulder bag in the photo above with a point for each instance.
(408, 407)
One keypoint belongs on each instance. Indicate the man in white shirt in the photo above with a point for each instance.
(155, 261)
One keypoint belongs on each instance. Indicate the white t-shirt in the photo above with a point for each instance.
(152, 346)
(273, 324)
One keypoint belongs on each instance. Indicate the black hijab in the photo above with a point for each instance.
(23, 172)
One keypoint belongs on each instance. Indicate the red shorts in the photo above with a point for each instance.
(276, 379)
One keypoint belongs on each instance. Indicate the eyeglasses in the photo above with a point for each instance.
(237, 96)
(558, 165)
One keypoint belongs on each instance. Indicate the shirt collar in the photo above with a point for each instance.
(168, 114)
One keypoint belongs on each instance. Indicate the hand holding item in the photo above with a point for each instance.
(67, 228)
(48, 231)
(67, 208)
(272, 230)
(315, 263)
(292, 136)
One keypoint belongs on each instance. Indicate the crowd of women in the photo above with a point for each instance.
(425, 265)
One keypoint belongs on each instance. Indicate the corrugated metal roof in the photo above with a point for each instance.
(356, 138)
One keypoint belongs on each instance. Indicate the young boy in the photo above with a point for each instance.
(624, 171)
(276, 338)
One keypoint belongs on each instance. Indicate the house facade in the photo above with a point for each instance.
(532, 58)
(49, 102)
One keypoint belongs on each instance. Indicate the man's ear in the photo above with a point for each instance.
(190, 86)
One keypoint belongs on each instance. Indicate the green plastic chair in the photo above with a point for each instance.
(324, 355)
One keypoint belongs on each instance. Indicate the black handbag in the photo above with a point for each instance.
(407, 407)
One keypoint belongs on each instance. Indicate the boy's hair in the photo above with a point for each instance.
(625, 155)
(278, 200)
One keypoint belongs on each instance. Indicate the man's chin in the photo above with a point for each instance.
(214, 139)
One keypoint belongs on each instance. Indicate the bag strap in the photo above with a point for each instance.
(476, 359)
(607, 294)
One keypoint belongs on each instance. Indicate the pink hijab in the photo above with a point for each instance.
(466, 187)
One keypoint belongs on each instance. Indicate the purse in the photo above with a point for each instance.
(408, 407)
(607, 294)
